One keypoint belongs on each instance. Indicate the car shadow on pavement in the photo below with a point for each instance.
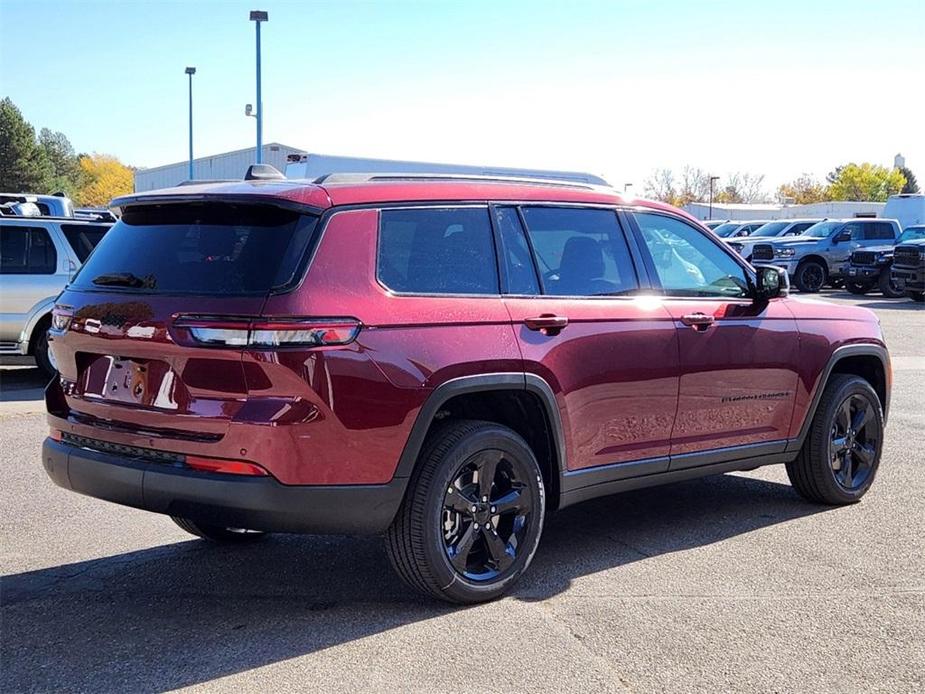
(190, 612)
(19, 384)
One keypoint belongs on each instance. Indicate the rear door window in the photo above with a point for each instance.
(213, 248)
(27, 251)
(580, 251)
(437, 251)
(83, 237)
(519, 269)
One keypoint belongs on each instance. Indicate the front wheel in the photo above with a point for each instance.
(841, 453)
(916, 296)
(217, 533)
(810, 276)
(473, 514)
(891, 288)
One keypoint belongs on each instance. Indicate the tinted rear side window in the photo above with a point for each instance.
(27, 251)
(437, 251)
(580, 252)
(83, 237)
(200, 248)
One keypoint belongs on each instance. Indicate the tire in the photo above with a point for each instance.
(810, 276)
(216, 533)
(819, 475)
(889, 288)
(857, 287)
(40, 351)
(916, 296)
(436, 520)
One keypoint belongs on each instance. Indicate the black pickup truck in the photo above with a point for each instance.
(909, 266)
(872, 267)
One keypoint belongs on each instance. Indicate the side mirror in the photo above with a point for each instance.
(771, 282)
(842, 236)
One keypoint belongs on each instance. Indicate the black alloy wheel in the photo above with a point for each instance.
(810, 277)
(841, 452)
(487, 510)
(473, 514)
(855, 442)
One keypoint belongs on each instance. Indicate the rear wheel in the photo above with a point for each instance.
(841, 453)
(473, 515)
(41, 352)
(810, 276)
(891, 288)
(857, 287)
(217, 533)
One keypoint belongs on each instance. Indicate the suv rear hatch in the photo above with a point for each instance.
(141, 335)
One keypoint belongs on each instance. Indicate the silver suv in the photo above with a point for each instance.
(816, 258)
(39, 255)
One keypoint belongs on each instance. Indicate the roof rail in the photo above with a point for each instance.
(335, 178)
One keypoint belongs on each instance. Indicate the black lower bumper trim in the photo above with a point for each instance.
(255, 503)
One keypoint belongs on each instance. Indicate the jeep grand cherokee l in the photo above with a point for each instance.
(440, 361)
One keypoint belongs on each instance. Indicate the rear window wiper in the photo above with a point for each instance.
(125, 279)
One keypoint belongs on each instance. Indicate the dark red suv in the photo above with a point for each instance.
(444, 361)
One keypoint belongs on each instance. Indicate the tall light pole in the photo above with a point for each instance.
(713, 179)
(258, 16)
(626, 187)
(191, 71)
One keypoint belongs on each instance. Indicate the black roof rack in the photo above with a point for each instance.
(335, 178)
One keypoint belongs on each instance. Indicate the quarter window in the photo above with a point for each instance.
(437, 251)
(83, 237)
(689, 263)
(580, 252)
(27, 251)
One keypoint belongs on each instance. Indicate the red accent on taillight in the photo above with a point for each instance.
(54, 435)
(230, 467)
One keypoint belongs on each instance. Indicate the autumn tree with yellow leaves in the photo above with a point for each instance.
(101, 178)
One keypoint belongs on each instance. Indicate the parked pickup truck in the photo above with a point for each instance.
(780, 228)
(47, 205)
(39, 255)
(872, 267)
(817, 257)
(909, 267)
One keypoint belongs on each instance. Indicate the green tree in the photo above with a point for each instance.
(24, 165)
(865, 182)
(60, 153)
(912, 186)
(803, 190)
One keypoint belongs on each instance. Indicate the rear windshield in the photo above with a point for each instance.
(726, 229)
(199, 248)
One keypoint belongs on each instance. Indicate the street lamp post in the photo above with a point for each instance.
(712, 180)
(191, 71)
(258, 16)
(626, 187)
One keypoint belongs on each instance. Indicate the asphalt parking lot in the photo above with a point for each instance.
(726, 583)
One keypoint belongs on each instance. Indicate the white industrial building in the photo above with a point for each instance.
(839, 209)
(296, 163)
(226, 165)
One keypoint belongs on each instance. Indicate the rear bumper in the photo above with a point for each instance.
(220, 499)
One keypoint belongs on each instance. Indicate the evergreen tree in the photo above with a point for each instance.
(912, 186)
(24, 165)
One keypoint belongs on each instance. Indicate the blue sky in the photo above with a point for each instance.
(616, 88)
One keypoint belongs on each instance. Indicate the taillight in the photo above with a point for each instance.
(229, 467)
(61, 317)
(263, 332)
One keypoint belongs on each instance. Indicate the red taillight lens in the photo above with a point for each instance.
(261, 332)
(230, 467)
(61, 317)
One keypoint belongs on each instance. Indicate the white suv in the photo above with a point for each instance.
(39, 255)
